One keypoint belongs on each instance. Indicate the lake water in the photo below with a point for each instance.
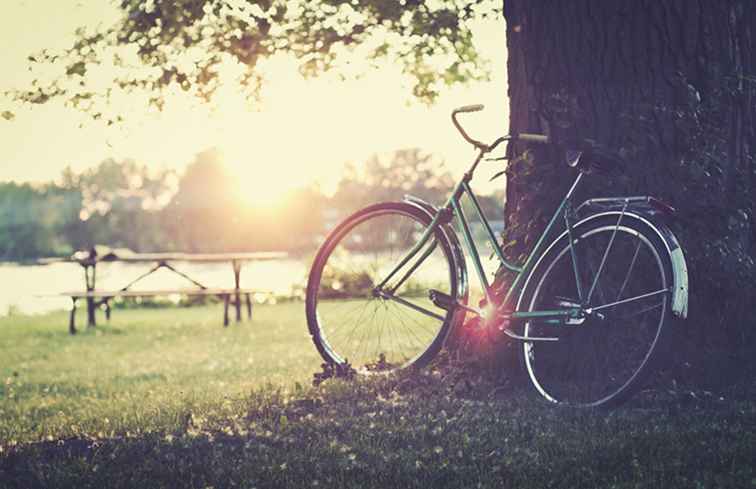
(31, 289)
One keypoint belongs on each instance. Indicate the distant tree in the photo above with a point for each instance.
(391, 177)
(30, 218)
(302, 215)
(205, 206)
(118, 205)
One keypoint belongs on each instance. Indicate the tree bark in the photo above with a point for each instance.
(669, 84)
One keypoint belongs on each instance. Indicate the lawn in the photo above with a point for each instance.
(169, 398)
(143, 371)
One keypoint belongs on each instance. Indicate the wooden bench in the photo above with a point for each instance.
(103, 297)
(89, 259)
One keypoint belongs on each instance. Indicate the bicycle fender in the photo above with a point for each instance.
(459, 255)
(679, 266)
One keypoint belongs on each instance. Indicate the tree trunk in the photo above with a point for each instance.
(670, 84)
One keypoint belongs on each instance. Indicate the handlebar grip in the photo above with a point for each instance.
(534, 138)
(469, 108)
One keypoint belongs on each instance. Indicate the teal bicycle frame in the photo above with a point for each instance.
(452, 209)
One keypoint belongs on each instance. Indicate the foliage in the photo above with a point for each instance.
(181, 402)
(30, 218)
(332, 370)
(187, 45)
(123, 205)
(203, 205)
(722, 263)
(115, 198)
(338, 283)
(391, 177)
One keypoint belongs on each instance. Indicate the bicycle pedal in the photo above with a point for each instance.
(441, 300)
(445, 302)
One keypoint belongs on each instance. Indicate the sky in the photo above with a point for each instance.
(301, 131)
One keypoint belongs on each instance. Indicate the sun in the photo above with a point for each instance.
(268, 151)
(260, 186)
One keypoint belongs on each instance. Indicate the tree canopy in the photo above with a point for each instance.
(191, 45)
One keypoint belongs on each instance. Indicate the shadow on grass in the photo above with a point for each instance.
(418, 430)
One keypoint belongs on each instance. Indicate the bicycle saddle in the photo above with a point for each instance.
(586, 155)
(591, 157)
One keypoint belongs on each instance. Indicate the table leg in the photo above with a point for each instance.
(237, 280)
(249, 306)
(90, 277)
(72, 319)
(225, 309)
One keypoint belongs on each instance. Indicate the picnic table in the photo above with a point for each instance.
(96, 298)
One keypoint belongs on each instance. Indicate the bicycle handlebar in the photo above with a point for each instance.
(523, 136)
(468, 108)
(462, 110)
(588, 155)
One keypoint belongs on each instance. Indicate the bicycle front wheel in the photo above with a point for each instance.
(621, 274)
(356, 318)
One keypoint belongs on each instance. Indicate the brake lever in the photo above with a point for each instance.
(500, 158)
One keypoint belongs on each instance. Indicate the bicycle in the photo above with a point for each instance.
(591, 309)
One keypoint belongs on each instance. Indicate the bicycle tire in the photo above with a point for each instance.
(553, 368)
(414, 345)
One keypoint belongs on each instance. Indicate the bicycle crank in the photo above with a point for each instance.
(445, 302)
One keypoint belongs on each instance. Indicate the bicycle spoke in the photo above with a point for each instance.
(593, 275)
(603, 259)
(355, 311)
(364, 334)
(414, 306)
(355, 326)
(631, 299)
(637, 313)
(416, 319)
(629, 270)
(408, 330)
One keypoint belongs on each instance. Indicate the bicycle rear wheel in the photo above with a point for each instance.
(352, 320)
(624, 280)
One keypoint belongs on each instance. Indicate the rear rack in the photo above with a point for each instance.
(646, 203)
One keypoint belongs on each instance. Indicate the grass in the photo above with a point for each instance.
(168, 398)
(144, 370)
